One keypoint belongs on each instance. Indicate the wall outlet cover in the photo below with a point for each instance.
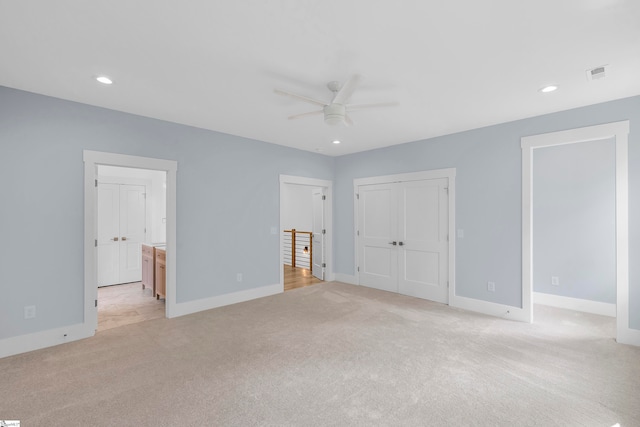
(29, 311)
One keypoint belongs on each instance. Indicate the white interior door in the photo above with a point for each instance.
(377, 236)
(108, 234)
(132, 231)
(402, 238)
(121, 230)
(423, 230)
(318, 230)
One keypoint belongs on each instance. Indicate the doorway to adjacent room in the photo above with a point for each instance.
(305, 231)
(618, 133)
(92, 162)
(131, 221)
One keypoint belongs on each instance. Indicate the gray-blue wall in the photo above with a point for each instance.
(228, 193)
(227, 202)
(574, 220)
(489, 196)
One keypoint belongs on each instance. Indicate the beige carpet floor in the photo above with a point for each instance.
(332, 355)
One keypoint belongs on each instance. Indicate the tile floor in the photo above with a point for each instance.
(120, 305)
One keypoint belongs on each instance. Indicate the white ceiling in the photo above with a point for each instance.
(451, 65)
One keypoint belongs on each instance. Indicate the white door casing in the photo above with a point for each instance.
(91, 160)
(619, 131)
(318, 236)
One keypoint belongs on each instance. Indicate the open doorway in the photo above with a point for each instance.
(618, 132)
(93, 160)
(574, 236)
(305, 227)
(131, 231)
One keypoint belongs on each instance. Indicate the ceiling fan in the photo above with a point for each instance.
(335, 112)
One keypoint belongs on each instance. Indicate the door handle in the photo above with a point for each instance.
(401, 243)
(115, 239)
(393, 243)
(124, 238)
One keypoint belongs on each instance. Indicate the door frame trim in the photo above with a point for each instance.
(619, 131)
(91, 160)
(310, 182)
(450, 174)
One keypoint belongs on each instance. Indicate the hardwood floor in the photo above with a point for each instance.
(298, 278)
(121, 305)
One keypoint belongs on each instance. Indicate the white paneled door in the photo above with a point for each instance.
(403, 238)
(318, 230)
(377, 236)
(121, 230)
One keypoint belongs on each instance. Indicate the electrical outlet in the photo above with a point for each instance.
(239, 277)
(29, 311)
(274, 230)
(460, 233)
(555, 280)
(491, 286)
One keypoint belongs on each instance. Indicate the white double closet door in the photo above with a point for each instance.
(403, 238)
(121, 231)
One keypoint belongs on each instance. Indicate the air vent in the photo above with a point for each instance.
(597, 73)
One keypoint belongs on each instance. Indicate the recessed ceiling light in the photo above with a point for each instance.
(104, 80)
(335, 141)
(549, 88)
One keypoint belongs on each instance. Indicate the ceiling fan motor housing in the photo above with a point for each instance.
(334, 114)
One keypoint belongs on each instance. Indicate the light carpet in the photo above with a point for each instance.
(332, 355)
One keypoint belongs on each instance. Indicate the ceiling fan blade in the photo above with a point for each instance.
(343, 95)
(300, 97)
(310, 113)
(348, 121)
(379, 104)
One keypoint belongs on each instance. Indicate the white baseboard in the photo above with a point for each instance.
(346, 278)
(184, 308)
(50, 338)
(629, 336)
(583, 305)
(42, 339)
(489, 308)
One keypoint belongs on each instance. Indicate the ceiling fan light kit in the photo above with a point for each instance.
(335, 112)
